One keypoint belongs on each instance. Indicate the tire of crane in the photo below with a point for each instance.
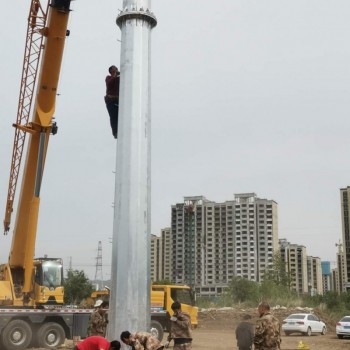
(17, 335)
(51, 335)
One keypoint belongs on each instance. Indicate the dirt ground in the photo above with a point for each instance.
(216, 330)
(221, 339)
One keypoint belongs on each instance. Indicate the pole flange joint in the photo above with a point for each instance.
(141, 14)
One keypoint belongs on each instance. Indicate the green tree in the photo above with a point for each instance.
(272, 292)
(240, 290)
(333, 301)
(76, 287)
(278, 272)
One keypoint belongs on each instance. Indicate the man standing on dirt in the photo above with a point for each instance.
(245, 333)
(268, 330)
(98, 319)
(180, 329)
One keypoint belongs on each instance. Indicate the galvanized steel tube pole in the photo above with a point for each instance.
(130, 289)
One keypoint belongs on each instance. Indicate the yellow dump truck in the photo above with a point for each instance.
(162, 296)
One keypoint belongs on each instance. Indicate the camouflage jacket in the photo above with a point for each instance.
(144, 341)
(267, 333)
(97, 324)
(181, 328)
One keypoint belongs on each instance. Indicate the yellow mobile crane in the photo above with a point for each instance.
(30, 288)
(23, 280)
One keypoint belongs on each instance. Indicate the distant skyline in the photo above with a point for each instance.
(247, 96)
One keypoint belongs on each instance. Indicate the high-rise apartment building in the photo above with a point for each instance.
(345, 216)
(213, 242)
(339, 281)
(326, 276)
(295, 259)
(187, 240)
(166, 245)
(156, 258)
(314, 275)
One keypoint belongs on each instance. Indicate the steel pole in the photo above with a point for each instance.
(130, 288)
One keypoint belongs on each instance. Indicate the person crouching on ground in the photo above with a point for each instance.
(141, 341)
(97, 343)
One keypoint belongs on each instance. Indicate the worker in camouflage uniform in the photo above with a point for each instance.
(180, 329)
(267, 330)
(141, 341)
(98, 319)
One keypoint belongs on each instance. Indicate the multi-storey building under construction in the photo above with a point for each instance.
(345, 216)
(209, 243)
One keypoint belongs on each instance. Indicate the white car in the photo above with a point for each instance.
(343, 327)
(303, 323)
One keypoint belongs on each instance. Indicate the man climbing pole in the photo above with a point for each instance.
(112, 98)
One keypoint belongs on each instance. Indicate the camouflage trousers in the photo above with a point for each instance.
(186, 346)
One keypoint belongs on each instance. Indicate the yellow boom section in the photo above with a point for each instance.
(24, 235)
(32, 54)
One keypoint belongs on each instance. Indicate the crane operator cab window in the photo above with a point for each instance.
(49, 274)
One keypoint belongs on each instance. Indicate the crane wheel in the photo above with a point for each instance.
(17, 335)
(51, 335)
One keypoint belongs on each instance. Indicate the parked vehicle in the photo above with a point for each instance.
(343, 327)
(306, 324)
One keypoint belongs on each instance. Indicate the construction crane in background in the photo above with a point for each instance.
(340, 247)
(33, 49)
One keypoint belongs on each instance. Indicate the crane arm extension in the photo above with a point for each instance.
(24, 235)
(33, 49)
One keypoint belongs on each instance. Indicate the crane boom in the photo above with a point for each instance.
(22, 275)
(33, 48)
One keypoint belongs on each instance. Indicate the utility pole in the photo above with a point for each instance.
(130, 285)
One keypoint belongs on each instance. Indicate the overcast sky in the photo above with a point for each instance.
(247, 96)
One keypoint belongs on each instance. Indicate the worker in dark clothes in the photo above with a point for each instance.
(112, 98)
(245, 334)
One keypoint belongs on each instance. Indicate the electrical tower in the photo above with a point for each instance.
(98, 272)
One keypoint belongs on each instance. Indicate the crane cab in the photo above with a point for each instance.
(48, 281)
